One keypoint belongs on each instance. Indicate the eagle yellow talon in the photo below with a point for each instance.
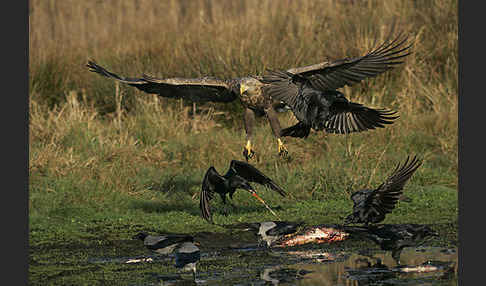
(248, 151)
(282, 150)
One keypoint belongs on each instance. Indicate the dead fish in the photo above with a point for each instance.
(314, 234)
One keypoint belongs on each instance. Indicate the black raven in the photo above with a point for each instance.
(239, 176)
(371, 206)
(313, 97)
(394, 237)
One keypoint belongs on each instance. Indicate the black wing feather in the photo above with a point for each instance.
(211, 179)
(300, 130)
(252, 174)
(294, 90)
(354, 117)
(182, 258)
(283, 86)
(385, 197)
(283, 228)
(336, 74)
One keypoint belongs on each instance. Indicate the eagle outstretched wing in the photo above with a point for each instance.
(331, 75)
(193, 89)
(252, 174)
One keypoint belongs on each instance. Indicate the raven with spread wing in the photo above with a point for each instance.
(310, 92)
(371, 206)
(239, 176)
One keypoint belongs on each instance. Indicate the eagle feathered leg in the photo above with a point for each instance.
(276, 129)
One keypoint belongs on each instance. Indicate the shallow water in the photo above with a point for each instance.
(318, 266)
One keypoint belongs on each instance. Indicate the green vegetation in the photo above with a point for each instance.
(106, 164)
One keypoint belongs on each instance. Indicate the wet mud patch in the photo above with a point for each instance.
(236, 258)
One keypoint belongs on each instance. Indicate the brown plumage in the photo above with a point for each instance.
(294, 89)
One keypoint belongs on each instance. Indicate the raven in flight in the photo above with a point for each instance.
(239, 176)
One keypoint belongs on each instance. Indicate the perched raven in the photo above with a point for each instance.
(187, 255)
(186, 252)
(394, 237)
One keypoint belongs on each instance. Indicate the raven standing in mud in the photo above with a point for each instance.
(394, 237)
(187, 255)
(186, 252)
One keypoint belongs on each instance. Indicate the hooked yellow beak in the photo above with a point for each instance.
(243, 88)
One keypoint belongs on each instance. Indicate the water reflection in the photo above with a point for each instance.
(368, 273)
(326, 265)
(382, 270)
(276, 275)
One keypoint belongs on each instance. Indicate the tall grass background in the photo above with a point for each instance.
(97, 147)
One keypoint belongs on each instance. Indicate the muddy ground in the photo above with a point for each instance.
(235, 258)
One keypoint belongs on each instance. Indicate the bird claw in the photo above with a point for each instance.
(282, 150)
(248, 153)
(283, 153)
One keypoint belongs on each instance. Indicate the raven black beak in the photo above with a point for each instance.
(253, 193)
